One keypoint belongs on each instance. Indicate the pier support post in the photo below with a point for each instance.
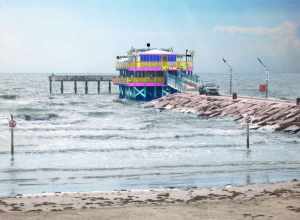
(75, 87)
(98, 87)
(50, 85)
(109, 86)
(62, 87)
(86, 89)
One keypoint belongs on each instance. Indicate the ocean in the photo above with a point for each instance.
(71, 143)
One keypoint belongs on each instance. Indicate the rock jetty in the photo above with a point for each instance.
(280, 115)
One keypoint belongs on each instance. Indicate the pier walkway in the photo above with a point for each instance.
(81, 78)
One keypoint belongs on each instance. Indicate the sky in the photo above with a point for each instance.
(86, 36)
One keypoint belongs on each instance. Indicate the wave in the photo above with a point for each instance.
(41, 117)
(250, 166)
(108, 150)
(9, 97)
(30, 109)
(100, 114)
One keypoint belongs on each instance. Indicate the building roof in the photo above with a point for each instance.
(156, 52)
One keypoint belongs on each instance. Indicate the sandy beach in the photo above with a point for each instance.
(260, 201)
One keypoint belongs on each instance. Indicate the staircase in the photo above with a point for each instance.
(183, 82)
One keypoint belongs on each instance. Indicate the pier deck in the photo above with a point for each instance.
(81, 78)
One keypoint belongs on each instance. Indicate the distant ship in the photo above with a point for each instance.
(149, 73)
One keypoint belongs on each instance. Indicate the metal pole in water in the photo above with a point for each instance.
(248, 131)
(248, 136)
(12, 124)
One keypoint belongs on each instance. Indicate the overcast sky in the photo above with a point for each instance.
(86, 35)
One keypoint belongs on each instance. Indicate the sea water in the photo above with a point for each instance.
(97, 143)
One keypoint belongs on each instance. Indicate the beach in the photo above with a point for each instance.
(257, 201)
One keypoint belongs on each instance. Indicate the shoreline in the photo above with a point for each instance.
(230, 202)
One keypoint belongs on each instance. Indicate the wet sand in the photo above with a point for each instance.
(263, 201)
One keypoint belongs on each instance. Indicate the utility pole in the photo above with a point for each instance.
(230, 76)
(267, 76)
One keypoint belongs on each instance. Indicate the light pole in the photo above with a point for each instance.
(267, 75)
(230, 79)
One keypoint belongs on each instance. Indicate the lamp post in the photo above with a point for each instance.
(230, 77)
(267, 75)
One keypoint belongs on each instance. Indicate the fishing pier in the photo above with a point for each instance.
(80, 78)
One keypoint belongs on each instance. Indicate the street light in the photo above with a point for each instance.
(267, 75)
(230, 70)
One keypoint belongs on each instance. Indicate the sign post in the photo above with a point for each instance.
(12, 124)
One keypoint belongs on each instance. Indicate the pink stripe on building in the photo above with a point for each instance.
(146, 84)
(150, 69)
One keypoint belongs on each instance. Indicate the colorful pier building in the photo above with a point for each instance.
(144, 73)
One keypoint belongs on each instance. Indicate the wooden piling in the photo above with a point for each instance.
(298, 101)
(50, 85)
(75, 87)
(109, 87)
(62, 87)
(86, 89)
(98, 86)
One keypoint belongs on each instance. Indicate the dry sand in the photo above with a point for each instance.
(265, 201)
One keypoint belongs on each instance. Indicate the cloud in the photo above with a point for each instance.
(286, 33)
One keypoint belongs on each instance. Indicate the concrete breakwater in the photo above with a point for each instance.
(280, 115)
